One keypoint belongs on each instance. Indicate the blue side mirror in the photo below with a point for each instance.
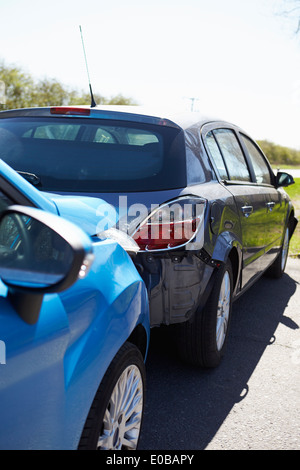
(39, 253)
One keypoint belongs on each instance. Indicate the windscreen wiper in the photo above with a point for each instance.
(31, 177)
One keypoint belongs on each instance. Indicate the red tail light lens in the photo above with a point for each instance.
(171, 225)
(70, 111)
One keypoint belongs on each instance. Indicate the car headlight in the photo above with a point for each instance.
(126, 242)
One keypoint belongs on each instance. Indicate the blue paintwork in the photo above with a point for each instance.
(87, 212)
(53, 369)
(97, 212)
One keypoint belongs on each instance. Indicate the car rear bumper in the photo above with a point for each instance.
(177, 284)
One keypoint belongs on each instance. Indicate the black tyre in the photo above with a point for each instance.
(202, 340)
(277, 269)
(115, 418)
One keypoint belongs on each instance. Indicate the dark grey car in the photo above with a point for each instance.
(206, 212)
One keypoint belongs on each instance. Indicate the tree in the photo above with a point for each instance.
(76, 98)
(46, 92)
(292, 10)
(121, 100)
(22, 91)
(2, 92)
(18, 87)
(279, 155)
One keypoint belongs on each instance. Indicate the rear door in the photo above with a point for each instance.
(275, 205)
(238, 176)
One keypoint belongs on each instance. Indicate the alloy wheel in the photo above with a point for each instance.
(285, 249)
(123, 415)
(223, 311)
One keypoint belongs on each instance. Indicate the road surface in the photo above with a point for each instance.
(252, 400)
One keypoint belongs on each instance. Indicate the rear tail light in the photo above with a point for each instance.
(70, 111)
(172, 225)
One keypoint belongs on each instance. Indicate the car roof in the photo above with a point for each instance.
(183, 119)
(162, 116)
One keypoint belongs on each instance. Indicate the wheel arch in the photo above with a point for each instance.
(235, 260)
(292, 222)
(139, 338)
(228, 246)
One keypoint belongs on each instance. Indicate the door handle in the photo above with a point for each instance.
(247, 210)
(270, 206)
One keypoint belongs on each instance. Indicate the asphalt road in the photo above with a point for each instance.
(252, 400)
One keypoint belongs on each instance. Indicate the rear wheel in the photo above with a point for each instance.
(115, 418)
(202, 340)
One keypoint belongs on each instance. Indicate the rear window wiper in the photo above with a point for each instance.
(31, 177)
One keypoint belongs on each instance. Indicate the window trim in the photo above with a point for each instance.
(226, 126)
(249, 167)
(206, 128)
(242, 134)
(221, 153)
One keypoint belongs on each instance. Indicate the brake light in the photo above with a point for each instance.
(171, 225)
(70, 111)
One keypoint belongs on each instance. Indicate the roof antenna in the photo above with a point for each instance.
(93, 102)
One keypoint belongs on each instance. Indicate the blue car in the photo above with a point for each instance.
(74, 330)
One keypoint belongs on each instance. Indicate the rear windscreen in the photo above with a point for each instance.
(93, 155)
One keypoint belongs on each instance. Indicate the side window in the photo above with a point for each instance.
(260, 166)
(216, 155)
(233, 155)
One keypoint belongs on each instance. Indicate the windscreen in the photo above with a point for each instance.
(93, 155)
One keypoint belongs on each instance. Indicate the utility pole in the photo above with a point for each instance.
(192, 102)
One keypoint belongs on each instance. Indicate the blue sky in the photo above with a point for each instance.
(239, 58)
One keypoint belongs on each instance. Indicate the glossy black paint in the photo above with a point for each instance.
(245, 221)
